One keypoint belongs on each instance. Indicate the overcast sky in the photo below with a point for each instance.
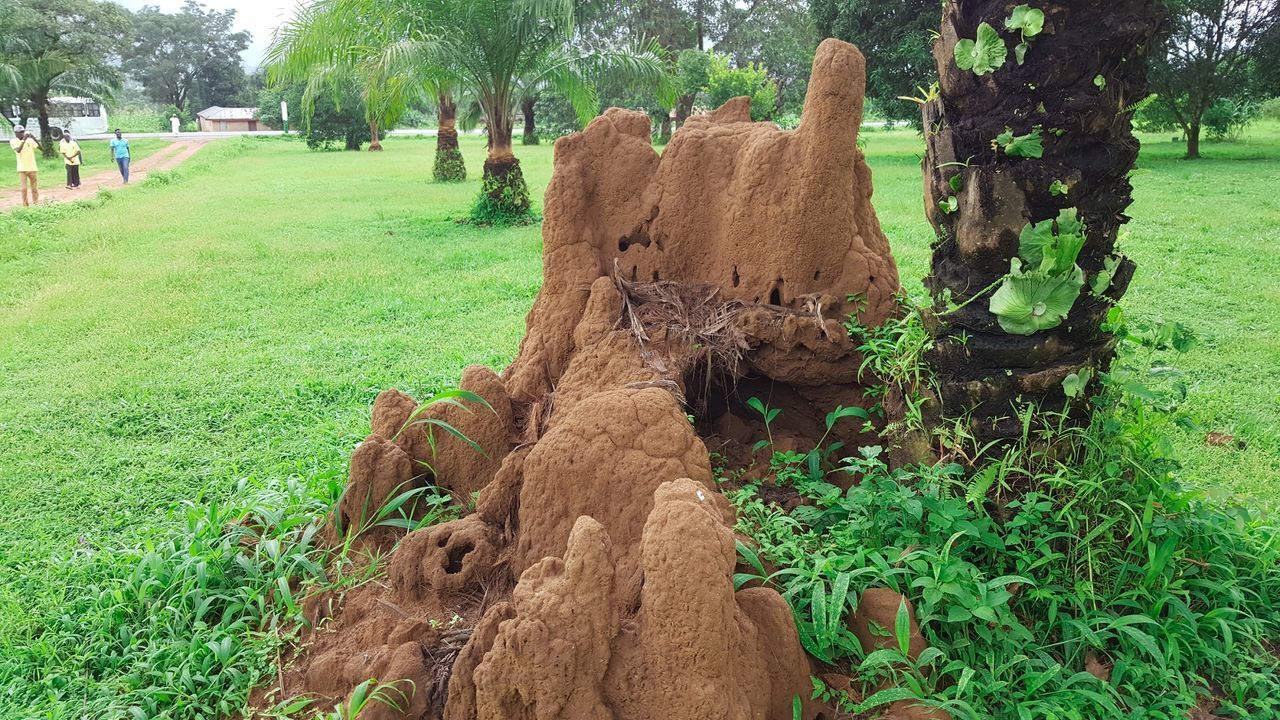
(259, 17)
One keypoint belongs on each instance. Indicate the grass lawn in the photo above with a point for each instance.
(239, 322)
(96, 158)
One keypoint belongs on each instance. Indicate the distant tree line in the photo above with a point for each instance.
(186, 60)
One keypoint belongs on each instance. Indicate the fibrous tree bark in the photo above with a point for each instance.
(449, 166)
(1072, 93)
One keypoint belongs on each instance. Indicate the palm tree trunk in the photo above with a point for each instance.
(504, 196)
(530, 130)
(449, 166)
(46, 130)
(374, 144)
(983, 371)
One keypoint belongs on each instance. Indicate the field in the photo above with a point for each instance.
(237, 318)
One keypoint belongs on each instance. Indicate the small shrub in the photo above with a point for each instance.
(195, 617)
(160, 178)
(1083, 550)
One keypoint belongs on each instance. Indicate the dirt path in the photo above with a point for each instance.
(52, 184)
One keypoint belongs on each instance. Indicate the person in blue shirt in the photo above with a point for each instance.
(120, 151)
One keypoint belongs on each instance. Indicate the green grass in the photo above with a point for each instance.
(238, 322)
(96, 158)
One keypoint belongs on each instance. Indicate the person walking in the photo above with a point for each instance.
(24, 146)
(70, 150)
(120, 151)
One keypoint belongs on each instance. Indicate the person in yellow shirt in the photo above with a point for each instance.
(24, 146)
(70, 150)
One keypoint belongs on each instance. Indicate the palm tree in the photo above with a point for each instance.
(500, 45)
(331, 50)
(1029, 146)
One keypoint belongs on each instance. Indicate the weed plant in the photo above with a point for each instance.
(1078, 547)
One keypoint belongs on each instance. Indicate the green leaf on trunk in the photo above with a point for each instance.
(1102, 280)
(983, 54)
(1026, 20)
(948, 205)
(1029, 302)
(1052, 246)
(1075, 383)
(1027, 146)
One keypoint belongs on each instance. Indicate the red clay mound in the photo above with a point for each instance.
(594, 579)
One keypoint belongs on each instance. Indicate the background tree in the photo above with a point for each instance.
(188, 59)
(1264, 72)
(333, 118)
(778, 35)
(693, 73)
(1207, 56)
(1028, 151)
(58, 47)
(895, 36)
(331, 44)
(711, 78)
(331, 49)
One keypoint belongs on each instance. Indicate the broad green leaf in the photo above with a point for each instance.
(1074, 384)
(884, 697)
(1027, 303)
(1028, 146)
(1027, 20)
(842, 412)
(1058, 188)
(1052, 246)
(902, 627)
(984, 54)
(1102, 280)
(948, 205)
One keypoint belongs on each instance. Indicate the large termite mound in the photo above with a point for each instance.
(594, 578)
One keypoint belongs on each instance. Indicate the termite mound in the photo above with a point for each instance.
(594, 578)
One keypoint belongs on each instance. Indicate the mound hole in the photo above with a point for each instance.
(455, 555)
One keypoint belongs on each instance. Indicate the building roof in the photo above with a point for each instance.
(223, 113)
